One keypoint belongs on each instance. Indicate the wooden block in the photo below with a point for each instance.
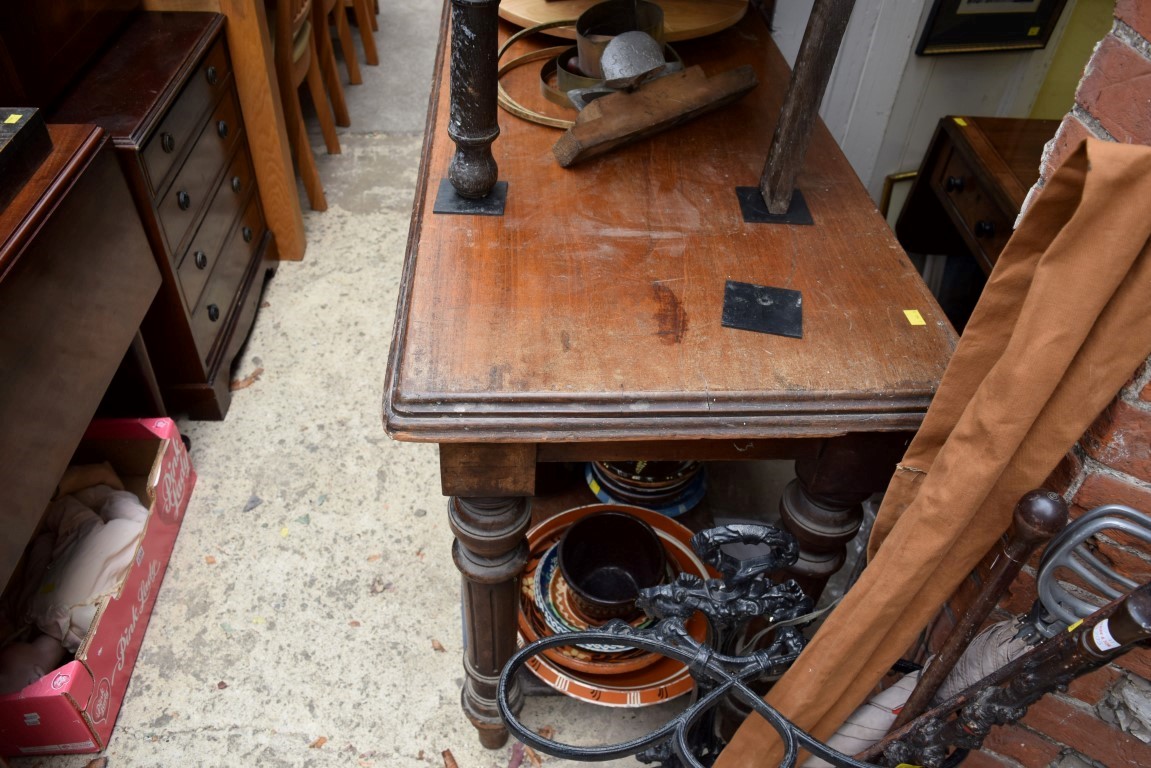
(621, 118)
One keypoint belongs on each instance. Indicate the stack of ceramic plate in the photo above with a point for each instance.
(612, 675)
(668, 487)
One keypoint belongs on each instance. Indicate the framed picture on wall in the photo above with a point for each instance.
(976, 26)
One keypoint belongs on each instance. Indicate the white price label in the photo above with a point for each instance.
(1101, 634)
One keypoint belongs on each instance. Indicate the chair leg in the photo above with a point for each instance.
(344, 33)
(323, 40)
(320, 100)
(364, 22)
(302, 152)
(375, 8)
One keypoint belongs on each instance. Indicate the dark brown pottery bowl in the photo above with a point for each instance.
(606, 559)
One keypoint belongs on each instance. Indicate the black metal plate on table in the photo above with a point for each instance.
(763, 309)
(755, 211)
(450, 201)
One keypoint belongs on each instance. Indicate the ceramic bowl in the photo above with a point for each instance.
(606, 559)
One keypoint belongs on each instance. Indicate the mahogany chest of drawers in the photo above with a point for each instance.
(165, 93)
(966, 197)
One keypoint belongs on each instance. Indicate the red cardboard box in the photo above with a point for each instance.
(73, 709)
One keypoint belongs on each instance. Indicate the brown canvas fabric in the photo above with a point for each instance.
(1063, 322)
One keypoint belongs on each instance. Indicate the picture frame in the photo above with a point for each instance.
(981, 26)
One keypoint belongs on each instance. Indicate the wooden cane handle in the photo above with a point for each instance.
(1039, 515)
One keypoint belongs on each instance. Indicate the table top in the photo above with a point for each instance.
(591, 309)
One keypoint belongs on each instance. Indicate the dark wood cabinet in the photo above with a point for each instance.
(76, 279)
(166, 94)
(966, 197)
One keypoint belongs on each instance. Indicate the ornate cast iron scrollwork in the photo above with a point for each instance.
(745, 593)
(939, 737)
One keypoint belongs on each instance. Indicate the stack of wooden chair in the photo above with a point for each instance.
(302, 43)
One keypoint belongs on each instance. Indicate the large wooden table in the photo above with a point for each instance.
(584, 323)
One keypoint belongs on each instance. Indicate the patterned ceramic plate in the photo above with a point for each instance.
(625, 685)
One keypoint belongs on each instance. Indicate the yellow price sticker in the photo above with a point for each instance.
(14, 118)
(960, 122)
(913, 317)
(1033, 32)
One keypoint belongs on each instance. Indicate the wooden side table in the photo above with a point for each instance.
(76, 279)
(966, 196)
(584, 323)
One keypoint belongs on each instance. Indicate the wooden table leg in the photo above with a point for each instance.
(491, 551)
(822, 507)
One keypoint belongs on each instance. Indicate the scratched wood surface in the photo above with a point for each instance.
(591, 309)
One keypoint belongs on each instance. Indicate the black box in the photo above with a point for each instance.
(24, 143)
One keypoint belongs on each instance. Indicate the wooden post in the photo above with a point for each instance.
(489, 512)
(817, 52)
(823, 508)
(473, 126)
(1038, 516)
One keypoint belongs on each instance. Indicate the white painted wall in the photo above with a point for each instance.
(883, 102)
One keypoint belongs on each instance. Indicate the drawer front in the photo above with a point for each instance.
(194, 182)
(185, 118)
(212, 313)
(973, 209)
(202, 255)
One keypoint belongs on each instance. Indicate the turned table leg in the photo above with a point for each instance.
(823, 508)
(489, 512)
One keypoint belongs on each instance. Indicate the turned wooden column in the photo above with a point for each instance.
(823, 508)
(473, 125)
(490, 551)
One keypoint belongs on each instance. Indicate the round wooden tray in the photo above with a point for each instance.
(682, 19)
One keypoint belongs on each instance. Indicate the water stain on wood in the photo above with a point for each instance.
(670, 314)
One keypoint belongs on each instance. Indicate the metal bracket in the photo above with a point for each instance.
(448, 200)
(755, 209)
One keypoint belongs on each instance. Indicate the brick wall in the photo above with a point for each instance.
(1111, 463)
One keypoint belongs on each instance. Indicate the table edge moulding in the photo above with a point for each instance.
(585, 323)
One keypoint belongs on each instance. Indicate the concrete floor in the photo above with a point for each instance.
(310, 614)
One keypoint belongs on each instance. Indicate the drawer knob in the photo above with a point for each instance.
(954, 184)
(201, 260)
(212, 75)
(246, 232)
(237, 185)
(213, 312)
(222, 128)
(167, 142)
(984, 228)
(183, 200)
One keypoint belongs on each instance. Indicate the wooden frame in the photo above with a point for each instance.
(980, 26)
